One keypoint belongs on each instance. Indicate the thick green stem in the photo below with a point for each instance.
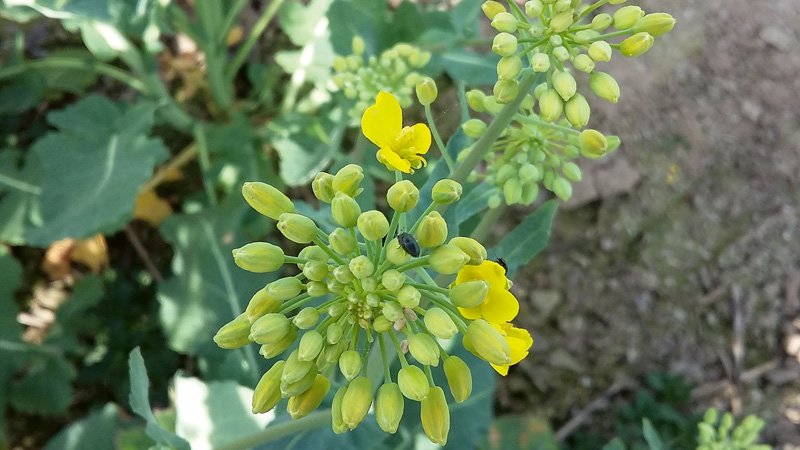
(318, 419)
(252, 38)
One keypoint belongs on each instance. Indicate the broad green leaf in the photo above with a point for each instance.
(300, 22)
(140, 403)
(472, 68)
(96, 431)
(19, 196)
(465, 17)
(530, 237)
(13, 351)
(514, 432)
(213, 414)
(207, 289)
(651, 436)
(349, 18)
(47, 386)
(306, 145)
(93, 168)
(474, 202)
(615, 444)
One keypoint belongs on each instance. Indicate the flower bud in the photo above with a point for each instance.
(540, 62)
(301, 405)
(300, 386)
(313, 253)
(408, 296)
(285, 288)
(440, 324)
(473, 128)
(458, 377)
(270, 328)
(297, 228)
(347, 180)
(583, 63)
(469, 293)
(600, 51)
(315, 270)
(491, 105)
(604, 86)
(602, 21)
(272, 350)
(413, 383)
(323, 187)
(446, 191)
(350, 364)
(295, 369)
(656, 24)
(612, 143)
(487, 343)
(343, 274)
(447, 259)
(373, 225)
(571, 171)
(356, 401)
(562, 188)
(577, 111)
(340, 64)
(424, 349)
(512, 191)
(258, 257)
(389, 406)
(592, 143)
(533, 8)
(435, 416)
(550, 105)
(396, 254)
(306, 318)
(627, 16)
(528, 172)
(361, 267)
(492, 9)
(234, 334)
(560, 22)
(475, 100)
(381, 324)
(345, 210)
(358, 45)
(310, 345)
(266, 199)
(473, 249)
(504, 44)
(432, 230)
(392, 310)
(426, 91)
(392, 280)
(505, 91)
(268, 390)
(504, 21)
(261, 303)
(337, 422)
(636, 45)
(334, 333)
(509, 67)
(402, 196)
(565, 85)
(561, 53)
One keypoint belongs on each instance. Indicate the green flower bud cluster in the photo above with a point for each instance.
(718, 433)
(364, 285)
(555, 34)
(361, 77)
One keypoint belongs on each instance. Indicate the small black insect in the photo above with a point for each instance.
(408, 243)
(503, 264)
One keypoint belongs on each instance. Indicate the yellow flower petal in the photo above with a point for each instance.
(502, 370)
(519, 342)
(500, 306)
(471, 313)
(421, 138)
(382, 122)
(393, 160)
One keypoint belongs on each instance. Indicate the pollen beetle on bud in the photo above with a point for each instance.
(408, 243)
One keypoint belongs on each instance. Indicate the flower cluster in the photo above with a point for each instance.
(364, 286)
(393, 71)
(553, 35)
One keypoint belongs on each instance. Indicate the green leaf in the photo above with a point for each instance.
(615, 444)
(474, 202)
(213, 414)
(349, 18)
(207, 289)
(472, 68)
(465, 17)
(651, 436)
(12, 352)
(306, 145)
(93, 168)
(140, 403)
(530, 237)
(47, 386)
(96, 431)
(514, 432)
(72, 317)
(299, 22)
(19, 196)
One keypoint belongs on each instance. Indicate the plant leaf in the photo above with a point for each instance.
(19, 200)
(651, 436)
(530, 237)
(96, 431)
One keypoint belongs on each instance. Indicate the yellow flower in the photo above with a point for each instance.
(500, 305)
(519, 341)
(400, 147)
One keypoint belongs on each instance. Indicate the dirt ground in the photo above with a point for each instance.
(681, 251)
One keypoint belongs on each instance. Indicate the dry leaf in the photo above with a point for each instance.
(57, 263)
(151, 208)
(92, 252)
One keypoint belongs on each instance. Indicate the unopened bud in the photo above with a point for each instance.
(533, 8)
(424, 349)
(636, 45)
(475, 100)
(509, 67)
(343, 274)
(310, 345)
(392, 280)
(604, 86)
(491, 105)
(261, 303)
(396, 254)
(306, 318)
(577, 111)
(408, 296)
(272, 350)
(350, 364)
(356, 401)
(446, 191)
(528, 172)
(473, 249)
(492, 9)
(381, 324)
(234, 334)
(505, 21)
(505, 91)
(268, 390)
(487, 342)
(560, 22)
(572, 172)
(285, 288)
(600, 51)
(361, 267)
(551, 106)
(337, 423)
(413, 383)
(613, 143)
(266, 199)
(270, 328)
(258, 257)
(315, 270)
(297, 228)
(392, 310)
(345, 210)
(602, 21)
(301, 405)
(389, 406)
(300, 386)
(469, 293)
(334, 332)
(447, 259)
(561, 53)
(440, 324)
(474, 128)
(583, 63)
(342, 242)
(504, 44)
(323, 187)
(565, 85)
(432, 230)
(313, 253)
(627, 16)
(347, 180)
(459, 378)
(512, 191)
(562, 188)
(402, 196)
(593, 144)
(656, 24)
(435, 416)
(296, 369)
(540, 62)
(373, 225)
(426, 91)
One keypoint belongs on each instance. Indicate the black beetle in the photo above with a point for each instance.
(502, 263)
(408, 243)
